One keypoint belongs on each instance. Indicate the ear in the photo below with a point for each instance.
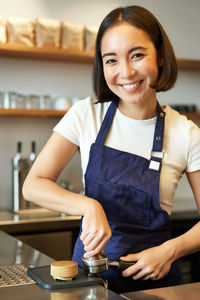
(160, 61)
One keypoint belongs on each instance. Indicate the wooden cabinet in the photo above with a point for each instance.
(57, 245)
(46, 231)
(181, 222)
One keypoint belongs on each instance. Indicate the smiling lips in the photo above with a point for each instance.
(131, 86)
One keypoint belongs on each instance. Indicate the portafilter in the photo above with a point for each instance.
(99, 263)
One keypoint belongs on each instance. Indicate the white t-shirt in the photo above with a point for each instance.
(181, 145)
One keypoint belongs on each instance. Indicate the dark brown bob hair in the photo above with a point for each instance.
(143, 19)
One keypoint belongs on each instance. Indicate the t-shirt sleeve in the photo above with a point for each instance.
(72, 122)
(194, 148)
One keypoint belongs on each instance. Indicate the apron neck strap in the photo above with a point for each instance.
(106, 124)
(159, 130)
(155, 162)
(158, 133)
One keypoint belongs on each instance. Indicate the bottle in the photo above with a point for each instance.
(32, 154)
(20, 171)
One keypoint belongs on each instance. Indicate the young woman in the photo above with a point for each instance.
(133, 154)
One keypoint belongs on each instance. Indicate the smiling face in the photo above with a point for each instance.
(130, 65)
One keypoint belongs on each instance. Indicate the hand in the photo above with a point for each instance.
(96, 231)
(153, 263)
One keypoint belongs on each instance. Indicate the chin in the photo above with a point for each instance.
(132, 101)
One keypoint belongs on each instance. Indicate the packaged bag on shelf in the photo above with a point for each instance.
(47, 32)
(21, 31)
(72, 36)
(3, 34)
(90, 37)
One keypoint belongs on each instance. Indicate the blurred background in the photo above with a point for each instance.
(180, 19)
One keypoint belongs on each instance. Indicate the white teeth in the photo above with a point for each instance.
(130, 86)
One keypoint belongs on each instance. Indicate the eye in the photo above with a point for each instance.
(110, 61)
(137, 56)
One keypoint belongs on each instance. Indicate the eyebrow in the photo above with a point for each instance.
(129, 51)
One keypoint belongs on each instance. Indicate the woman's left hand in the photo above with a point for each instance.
(153, 263)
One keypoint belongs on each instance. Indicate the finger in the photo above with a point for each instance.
(83, 235)
(97, 250)
(132, 270)
(87, 235)
(150, 277)
(143, 273)
(129, 257)
(89, 239)
(90, 253)
(92, 243)
(94, 238)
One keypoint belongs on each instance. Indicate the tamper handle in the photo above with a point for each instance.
(125, 264)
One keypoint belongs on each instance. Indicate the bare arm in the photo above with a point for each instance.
(154, 263)
(40, 185)
(41, 188)
(190, 241)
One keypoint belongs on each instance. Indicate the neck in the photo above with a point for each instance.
(138, 111)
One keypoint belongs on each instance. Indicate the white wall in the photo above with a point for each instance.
(180, 18)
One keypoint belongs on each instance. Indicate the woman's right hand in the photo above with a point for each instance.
(96, 231)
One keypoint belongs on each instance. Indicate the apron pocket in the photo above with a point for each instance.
(121, 202)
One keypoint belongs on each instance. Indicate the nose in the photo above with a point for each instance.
(127, 69)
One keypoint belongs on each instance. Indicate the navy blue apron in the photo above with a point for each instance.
(127, 186)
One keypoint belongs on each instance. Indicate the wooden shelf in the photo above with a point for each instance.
(192, 116)
(188, 64)
(57, 54)
(38, 113)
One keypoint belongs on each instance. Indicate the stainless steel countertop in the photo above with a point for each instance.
(44, 215)
(14, 252)
(186, 291)
(36, 220)
(34, 292)
(33, 216)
